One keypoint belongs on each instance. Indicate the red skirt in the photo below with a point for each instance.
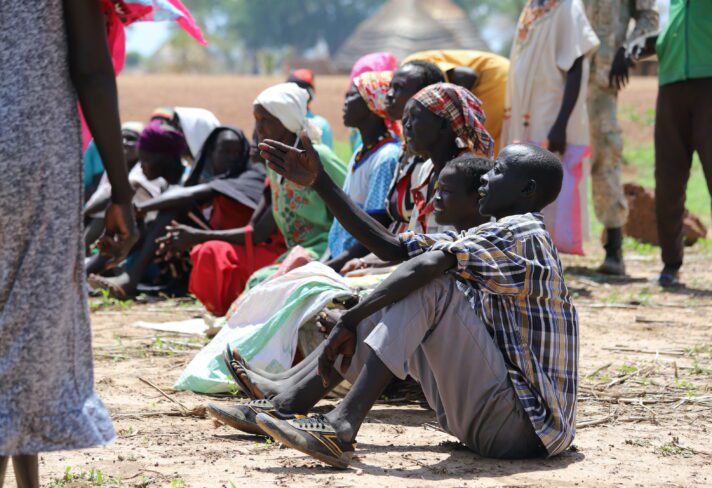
(221, 270)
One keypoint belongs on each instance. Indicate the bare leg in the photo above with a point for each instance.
(3, 468)
(27, 472)
(302, 397)
(349, 414)
(304, 364)
(272, 388)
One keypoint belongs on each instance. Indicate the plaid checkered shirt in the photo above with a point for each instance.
(511, 273)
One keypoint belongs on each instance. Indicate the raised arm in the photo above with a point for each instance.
(94, 81)
(557, 134)
(304, 167)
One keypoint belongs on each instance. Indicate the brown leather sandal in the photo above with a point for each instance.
(236, 366)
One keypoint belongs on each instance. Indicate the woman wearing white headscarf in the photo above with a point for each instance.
(299, 214)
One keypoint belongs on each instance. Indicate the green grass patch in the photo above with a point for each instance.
(343, 150)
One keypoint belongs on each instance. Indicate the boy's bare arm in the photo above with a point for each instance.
(407, 278)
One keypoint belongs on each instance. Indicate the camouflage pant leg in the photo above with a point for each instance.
(609, 200)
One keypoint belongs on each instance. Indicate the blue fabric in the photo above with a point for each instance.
(376, 171)
(93, 166)
(327, 137)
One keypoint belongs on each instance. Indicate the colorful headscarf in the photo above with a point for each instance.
(383, 61)
(373, 87)
(462, 110)
(288, 103)
(159, 137)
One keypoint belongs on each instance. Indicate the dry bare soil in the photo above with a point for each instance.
(644, 411)
(645, 397)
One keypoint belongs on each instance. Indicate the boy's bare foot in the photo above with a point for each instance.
(313, 435)
(119, 287)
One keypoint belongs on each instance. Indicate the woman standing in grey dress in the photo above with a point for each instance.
(52, 52)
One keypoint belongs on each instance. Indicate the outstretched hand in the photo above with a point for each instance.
(178, 239)
(341, 342)
(302, 166)
(618, 76)
(120, 233)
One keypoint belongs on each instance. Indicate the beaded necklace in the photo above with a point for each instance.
(367, 150)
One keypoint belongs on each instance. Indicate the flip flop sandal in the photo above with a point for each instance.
(236, 368)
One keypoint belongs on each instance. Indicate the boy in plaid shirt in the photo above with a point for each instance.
(492, 298)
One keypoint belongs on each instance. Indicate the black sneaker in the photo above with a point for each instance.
(242, 417)
(311, 435)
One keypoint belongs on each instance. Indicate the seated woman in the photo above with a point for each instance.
(195, 123)
(442, 122)
(378, 61)
(372, 166)
(144, 189)
(225, 261)
(232, 195)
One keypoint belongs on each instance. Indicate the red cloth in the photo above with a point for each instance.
(229, 214)
(221, 270)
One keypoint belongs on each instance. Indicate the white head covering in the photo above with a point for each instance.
(197, 124)
(288, 103)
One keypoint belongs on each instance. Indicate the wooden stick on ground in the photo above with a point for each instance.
(185, 409)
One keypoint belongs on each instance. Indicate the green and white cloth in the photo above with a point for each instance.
(265, 326)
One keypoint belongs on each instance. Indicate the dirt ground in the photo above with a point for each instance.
(645, 397)
(644, 411)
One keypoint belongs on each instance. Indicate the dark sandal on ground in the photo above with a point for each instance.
(312, 435)
(236, 367)
(669, 279)
(242, 417)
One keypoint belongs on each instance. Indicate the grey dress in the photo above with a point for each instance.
(47, 400)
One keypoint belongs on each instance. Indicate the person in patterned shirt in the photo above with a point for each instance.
(492, 297)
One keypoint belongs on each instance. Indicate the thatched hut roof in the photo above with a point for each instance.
(403, 27)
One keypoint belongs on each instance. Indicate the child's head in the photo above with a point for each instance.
(160, 148)
(457, 199)
(525, 178)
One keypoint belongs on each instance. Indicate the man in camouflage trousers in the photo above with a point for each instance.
(609, 73)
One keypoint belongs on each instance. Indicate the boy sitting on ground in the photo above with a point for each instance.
(456, 205)
(492, 298)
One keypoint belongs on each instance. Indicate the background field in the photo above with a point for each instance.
(230, 98)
